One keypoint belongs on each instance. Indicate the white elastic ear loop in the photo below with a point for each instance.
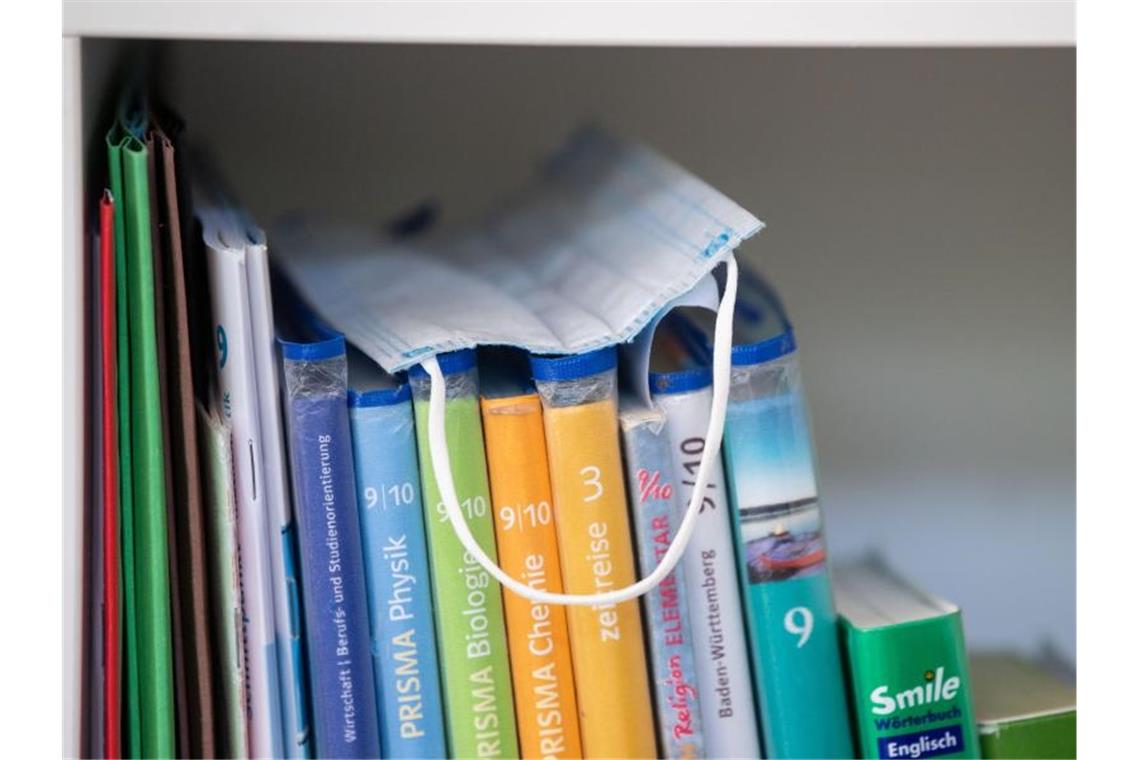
(441, 464)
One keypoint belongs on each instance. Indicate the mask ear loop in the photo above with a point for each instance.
(441, 464)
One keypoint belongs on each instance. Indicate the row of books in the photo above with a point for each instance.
(273, 572)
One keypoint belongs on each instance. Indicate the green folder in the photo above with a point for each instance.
(132, 739)
(149, 695)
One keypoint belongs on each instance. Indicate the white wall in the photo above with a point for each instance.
(921, 228)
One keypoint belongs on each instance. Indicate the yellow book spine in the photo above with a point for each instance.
(595, 547)
(546, 711)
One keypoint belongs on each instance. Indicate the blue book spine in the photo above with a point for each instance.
(657, 514)
(791, 617)
(332, 562)
(404, 660)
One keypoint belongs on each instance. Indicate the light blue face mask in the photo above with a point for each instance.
(607, 235)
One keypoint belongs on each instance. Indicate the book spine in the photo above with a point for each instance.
(332, 562)
(239, 407)
(791, 617)
(225, 585)
(653, 489)
(595, 544)
(295, 730)
(404, 662)
(911, 690)
(469, 609)
(545, 706)
(720, 644)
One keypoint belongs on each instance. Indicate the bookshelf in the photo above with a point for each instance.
(914, 162)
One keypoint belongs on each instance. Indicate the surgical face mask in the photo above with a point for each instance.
(589, 253)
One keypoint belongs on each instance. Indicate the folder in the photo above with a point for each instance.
(154, 704)
(109, 419)
(546, 710)
(188, 549)
(132, 723)
(92, 679)
(159, 246)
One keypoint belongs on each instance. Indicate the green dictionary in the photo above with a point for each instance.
(1023, 710)
(906, 657)
(471, 633)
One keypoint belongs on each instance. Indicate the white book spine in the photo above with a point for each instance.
(238, 405)
(720, 648)
(296, 734)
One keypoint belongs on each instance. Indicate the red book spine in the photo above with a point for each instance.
(111, 729)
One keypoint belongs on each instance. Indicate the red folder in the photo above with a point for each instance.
(111, 729)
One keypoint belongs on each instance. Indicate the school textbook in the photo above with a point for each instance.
(683, 393)
(546, 709)
(656, 514)
(596, 545)
(405, 665)
(471, 634)
(797, 668)
(343, 690)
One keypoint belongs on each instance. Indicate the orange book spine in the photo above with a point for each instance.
(595, 546)
(546, 710)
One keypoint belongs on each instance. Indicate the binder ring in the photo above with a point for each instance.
(441, 465)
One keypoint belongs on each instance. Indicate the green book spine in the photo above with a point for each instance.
(1046, 736)
(132, 736)
(155, 679)
(911, 690)
(472, 637)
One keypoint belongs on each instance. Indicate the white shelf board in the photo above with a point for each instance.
(821, 23)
